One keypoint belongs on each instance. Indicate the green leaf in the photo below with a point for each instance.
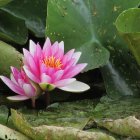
(8, 57)
(121, 75)
(4, 2)
(116, 116)
(33, 12)
(127, 24)
(71, 21)
(12, 28)
(89, 27)
(4, 112)
(119, 108)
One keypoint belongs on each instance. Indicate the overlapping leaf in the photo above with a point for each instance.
(8, 57)
(33, 12)
(128, 26)
(12, 28)
(88, 26)
(71, 21)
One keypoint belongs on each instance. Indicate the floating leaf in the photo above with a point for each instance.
(10, 134)
(121, 74)
(12, 28)
(76, 29)
(4, 2)
(89, 27)
(129, 126)
(119, 108)
(8, 57)
(127, 24)
(4, 112)
(33, 12)
(53, 132)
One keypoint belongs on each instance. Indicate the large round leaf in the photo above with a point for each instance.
(33, 12)
(12, 28)
(71, 21)
(4, 2)
(121, 74)
(128, 25)
(90, 25)
(8, 57)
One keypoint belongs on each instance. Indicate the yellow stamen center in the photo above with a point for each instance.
(52, 62)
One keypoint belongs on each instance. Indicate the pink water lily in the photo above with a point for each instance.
(51, 68)
(21, 85)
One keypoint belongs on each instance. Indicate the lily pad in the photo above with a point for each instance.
(129, 126)
(128, 26)
(76, 29)
(9, 56)
(12, 28)
(33, 12)
(8, 133)
(46, 132)
(4, 113)
(4, 2)
(89, 27)
(116, 109)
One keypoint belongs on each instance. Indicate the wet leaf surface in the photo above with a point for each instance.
(12, 28)
(89, 27)
(128, 26)
(33, 12)
(9, 56)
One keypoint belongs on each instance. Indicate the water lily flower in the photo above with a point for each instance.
(51, 68)
(20, 84)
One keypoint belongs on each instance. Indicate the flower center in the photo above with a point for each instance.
(52, 62)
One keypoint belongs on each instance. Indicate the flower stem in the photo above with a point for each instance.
(47, 98)
(33, 102)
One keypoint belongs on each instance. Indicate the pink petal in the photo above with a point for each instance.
(26, 56)
(20, 82)
(31, 75)
(29, 90)
(61, 46)
(74, 70)
(59, 54)
(38, 55)
(30, 61)
(45, 78)
(69, 65)
(67, 57)
(76, 56)
(47, 47)
(18, 98)
(32, 47)
(12, 85)
(13, 79)
(50, 71)
(43, 68)
(15, 72)
(64, 82)
(54, 49)
(57, 75)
